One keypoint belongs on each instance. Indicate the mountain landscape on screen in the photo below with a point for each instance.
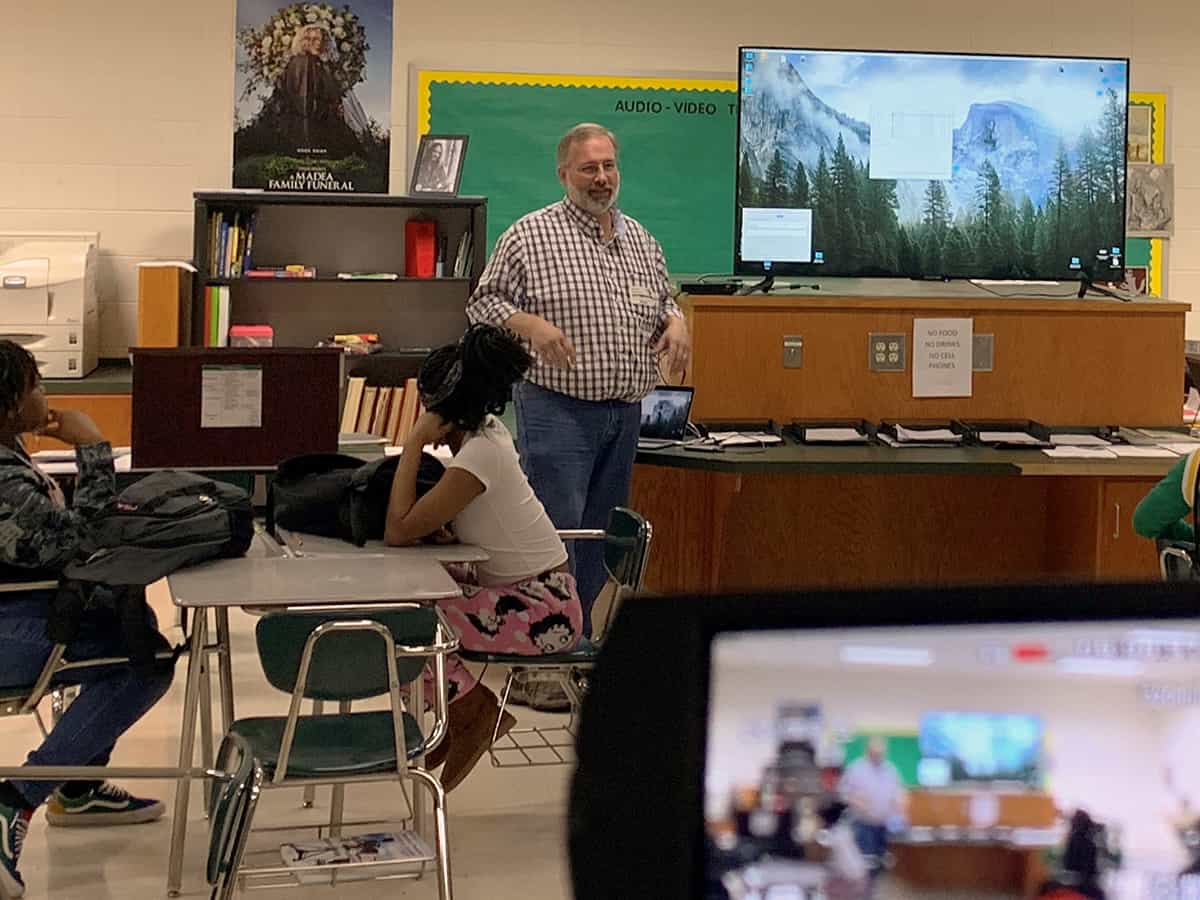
(1035, 169)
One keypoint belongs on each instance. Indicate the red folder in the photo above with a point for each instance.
(420, 248)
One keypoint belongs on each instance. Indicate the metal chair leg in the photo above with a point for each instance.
(337, 803)
(206, 726)
(441, 832)
(310, 791)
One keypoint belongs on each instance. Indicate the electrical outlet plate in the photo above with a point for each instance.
(887, 352)
(793, 351)
(983, 353)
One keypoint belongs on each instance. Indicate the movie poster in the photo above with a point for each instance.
(314, 94)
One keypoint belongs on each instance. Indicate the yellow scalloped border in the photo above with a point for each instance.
(426, 78)
(1157, 101)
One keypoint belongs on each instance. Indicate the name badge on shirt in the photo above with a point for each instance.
(642, 296)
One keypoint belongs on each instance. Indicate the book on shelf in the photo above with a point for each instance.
(420, 248)
(408, 412)
(462, 257)
(354, 395)
(230, 243)
(383, 409)
(216, 315)
(368, 276)
(387, 411)
(366, 409)
(393, 419)
(296, 270)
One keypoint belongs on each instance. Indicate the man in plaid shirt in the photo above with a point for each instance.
(587, 287)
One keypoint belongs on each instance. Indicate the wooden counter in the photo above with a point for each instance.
(795, 516)
(870, 516)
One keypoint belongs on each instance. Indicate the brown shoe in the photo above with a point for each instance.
(472, 719)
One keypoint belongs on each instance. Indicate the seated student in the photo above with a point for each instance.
(1164, 512)
(39, 535)
(524, 598)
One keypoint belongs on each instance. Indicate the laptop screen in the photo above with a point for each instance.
(1058, 760)
(665, 413)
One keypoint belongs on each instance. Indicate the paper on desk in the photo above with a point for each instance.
(835, 435)
(68, 467)
(927, 435)
(1069, 451)
(1078, 440)
(734, 438)
(1142, 452)
(892, 442)
(1007, 437)
(1183, 448)
(67, 454)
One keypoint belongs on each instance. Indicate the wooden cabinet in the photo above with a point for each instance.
(112, 413)
(1123, 553)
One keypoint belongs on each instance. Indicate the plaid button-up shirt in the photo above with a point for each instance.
(611, 298)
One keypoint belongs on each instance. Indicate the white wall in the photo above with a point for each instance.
(1105, 751)
(112, 114)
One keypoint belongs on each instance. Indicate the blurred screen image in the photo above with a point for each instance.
(1048, 761)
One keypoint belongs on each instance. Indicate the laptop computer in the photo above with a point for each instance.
(665, 412)
(840, 743)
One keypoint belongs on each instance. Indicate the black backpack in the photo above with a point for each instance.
(340, 496)
(159, 524)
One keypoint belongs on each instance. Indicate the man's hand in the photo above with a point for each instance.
(677, 346)
(547, 340)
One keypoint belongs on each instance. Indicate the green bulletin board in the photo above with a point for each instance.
(677, 154)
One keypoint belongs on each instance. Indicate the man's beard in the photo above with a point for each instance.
(584, 200)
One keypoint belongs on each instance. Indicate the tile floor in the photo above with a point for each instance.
(506, 827)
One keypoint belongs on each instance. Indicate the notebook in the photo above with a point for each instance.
(665, 412)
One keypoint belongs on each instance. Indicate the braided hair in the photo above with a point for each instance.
(464, 382)
(18, 375)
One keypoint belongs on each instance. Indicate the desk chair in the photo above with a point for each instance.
(626, 550)
(340, 657)
(1175, 560)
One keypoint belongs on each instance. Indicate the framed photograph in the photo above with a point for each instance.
(1141, 135)
(1136, 280)
(439, 164)
(1150, 201)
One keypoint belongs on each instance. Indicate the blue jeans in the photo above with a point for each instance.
(872, 841)
(578, 455)
(110, 699)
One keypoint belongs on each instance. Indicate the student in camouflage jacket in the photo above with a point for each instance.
(39, 535)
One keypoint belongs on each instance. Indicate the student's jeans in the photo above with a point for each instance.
(578, 456)
(110, 699)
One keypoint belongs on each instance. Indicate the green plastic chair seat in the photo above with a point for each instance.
(585, 652)
(350, 744)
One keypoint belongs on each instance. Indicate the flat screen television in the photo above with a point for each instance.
(936, 165)
(977, 746)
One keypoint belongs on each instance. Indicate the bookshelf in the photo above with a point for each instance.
(339, 233)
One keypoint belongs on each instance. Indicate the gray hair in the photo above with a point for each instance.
(582, 132)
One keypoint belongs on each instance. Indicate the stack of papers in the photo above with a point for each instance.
(927, 435)
(1008, 437)
(1071, 452)
(1078, 440)
(835, 435)
(1142, 452)
(736, 438)
(1183, 448)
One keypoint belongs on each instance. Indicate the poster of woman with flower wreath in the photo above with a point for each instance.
(314, 93)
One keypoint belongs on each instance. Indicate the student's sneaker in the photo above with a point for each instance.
(103, 805)
(14, 823)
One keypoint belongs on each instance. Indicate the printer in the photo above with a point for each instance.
(48, 300)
